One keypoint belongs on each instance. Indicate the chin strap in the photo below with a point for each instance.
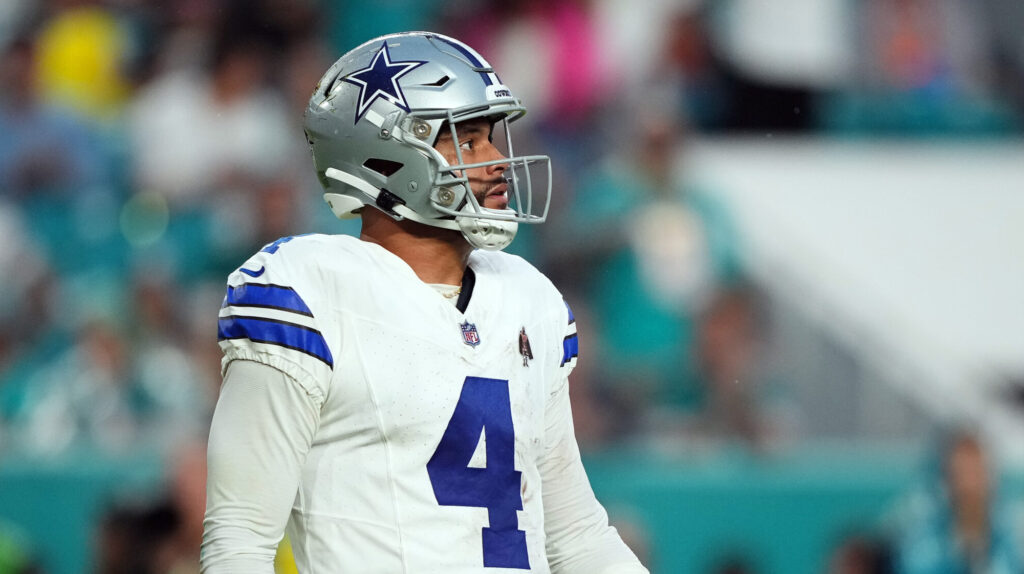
(348, 204)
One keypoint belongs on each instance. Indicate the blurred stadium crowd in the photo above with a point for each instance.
(147, 148)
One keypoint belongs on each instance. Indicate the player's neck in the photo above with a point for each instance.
(436, 255)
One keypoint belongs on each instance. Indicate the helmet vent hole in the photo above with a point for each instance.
(439, 82)
(384, 167)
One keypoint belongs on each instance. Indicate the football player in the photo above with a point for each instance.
(398, 402)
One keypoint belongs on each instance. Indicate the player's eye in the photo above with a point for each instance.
(467, 145)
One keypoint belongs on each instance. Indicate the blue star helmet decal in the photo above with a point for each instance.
(379, 80)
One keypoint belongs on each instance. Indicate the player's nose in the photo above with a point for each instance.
(495, 154)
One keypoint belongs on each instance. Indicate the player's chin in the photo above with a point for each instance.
(495, 201)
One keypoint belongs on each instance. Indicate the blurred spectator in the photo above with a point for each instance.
(198, 135)
(731, 398)
(208, 145)
(30, 332)
(26, 310)
(632, 34)
(114, 391)
(782, 57)
(42, 148)
(189, 28)
(689, 72)
(84, 397)
(648, 249)
(83, 53)
(957, 524)
(175, 394)
(925, 67)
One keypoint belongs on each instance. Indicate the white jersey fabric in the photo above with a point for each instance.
(392, 431)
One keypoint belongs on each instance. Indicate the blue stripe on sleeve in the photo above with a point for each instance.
(572, 318)
(280, 333)
(266, 296)
(273, 247)
(570, 348)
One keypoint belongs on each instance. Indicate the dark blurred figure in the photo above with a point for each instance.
(689, 73)
(160, 535)
(730, 397)
(860, 554)
(735, 563)
(187, 494)
(690, 55)
(957, 525)
(728, 347)
(779, 58)
(132, 535)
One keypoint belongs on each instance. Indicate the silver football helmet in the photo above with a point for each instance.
(375, 116)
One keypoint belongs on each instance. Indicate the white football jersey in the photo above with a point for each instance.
(432, 421)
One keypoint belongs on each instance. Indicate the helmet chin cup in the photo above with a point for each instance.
(488, 234)
(343, 206)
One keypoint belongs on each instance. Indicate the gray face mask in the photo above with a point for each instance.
(376, 115)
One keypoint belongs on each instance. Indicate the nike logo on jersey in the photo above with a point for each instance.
(251, 273)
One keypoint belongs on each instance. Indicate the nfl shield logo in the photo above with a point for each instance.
(469, 334)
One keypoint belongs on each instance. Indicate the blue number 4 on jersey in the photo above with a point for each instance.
(483, 407)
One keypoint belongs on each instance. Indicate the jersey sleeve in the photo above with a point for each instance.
(260, 435)
(579, 539)
(271, 314)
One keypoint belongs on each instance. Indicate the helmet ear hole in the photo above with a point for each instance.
(384, 167)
